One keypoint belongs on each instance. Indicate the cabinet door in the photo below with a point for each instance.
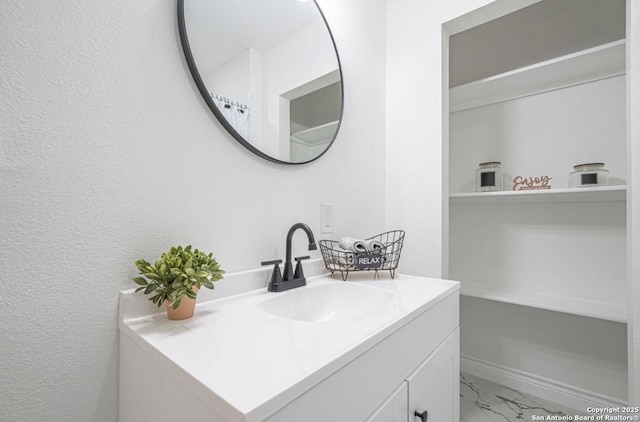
(435, 386)
(394, 409)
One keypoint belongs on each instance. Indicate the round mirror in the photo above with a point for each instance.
(269, 71)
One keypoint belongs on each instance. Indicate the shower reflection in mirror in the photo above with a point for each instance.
(236, 113)
(276, 65)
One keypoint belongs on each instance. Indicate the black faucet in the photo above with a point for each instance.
(291, 279)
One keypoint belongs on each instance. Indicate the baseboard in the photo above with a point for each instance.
(544, 388)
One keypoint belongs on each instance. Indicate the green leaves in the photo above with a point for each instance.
(140, 281)
(176, 273)
(190, 293)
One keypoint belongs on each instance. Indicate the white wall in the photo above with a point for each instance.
(231, 80)
(543, 134)
(108, 154)
(237, 80)
(557, 348)
(255, 98)
(285, 67)
(569, 250)
(415, 126)
(633, 199)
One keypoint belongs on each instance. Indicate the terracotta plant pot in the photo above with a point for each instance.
(185, 310)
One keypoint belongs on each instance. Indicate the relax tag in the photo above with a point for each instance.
(367, 260)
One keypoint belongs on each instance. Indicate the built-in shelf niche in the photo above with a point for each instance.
(321, 134)
(586, 66)
(592, 308)
(559, 249)
(587, 194)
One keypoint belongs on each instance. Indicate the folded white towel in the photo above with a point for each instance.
(343, 257)
(373, 245)
(353, 245)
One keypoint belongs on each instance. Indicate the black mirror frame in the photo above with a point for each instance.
(184, 40)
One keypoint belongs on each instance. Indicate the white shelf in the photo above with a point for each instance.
(585, 66)
(316, 135)
(571, 305)
(489, 235)
(600, 194)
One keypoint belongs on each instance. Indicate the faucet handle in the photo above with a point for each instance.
(276, 275)
(298, 273)
(274, 262)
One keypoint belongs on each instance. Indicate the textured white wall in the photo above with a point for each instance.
(108, 154)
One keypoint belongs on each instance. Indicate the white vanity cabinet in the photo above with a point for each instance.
(435, 386)
(415, 368)
(395, 408)
(235, 362)
(432, 390)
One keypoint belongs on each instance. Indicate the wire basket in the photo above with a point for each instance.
(385, 257)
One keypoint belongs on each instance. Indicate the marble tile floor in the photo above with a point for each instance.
(485, 401)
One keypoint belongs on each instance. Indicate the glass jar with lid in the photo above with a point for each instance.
(490, 177)
(588, 175)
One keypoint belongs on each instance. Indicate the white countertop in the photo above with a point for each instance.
(249, 363)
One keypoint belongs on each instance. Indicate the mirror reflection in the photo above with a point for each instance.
(269, 71)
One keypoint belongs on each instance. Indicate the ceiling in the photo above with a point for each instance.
(540, 32)
(220, 30)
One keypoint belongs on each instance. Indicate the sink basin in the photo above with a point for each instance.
(326, 302)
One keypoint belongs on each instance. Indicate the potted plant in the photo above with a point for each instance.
(176, 278)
